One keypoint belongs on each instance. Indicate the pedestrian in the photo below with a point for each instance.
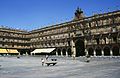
(43, 61)
(46, 57)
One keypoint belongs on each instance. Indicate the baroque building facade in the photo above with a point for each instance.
(14, 39)
(97, 35)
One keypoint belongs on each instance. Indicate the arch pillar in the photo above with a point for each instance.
(102, 52)
(107, 41)
(73, 49)
(94, 52)
(56, 53)
(26, 53)
(61, 53)
(66, 53)
(111, 53)
(86, 51)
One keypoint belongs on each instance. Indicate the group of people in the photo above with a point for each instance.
(46, 58)
(43, 60)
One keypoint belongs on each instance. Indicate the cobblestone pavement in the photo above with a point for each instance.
(30, 67)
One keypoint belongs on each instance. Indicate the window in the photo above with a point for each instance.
(2, 44)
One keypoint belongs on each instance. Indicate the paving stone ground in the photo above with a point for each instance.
(30, 67)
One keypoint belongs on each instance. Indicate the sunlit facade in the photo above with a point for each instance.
(97, 35)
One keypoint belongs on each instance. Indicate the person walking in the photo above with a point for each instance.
(46, 57)
(43, 61)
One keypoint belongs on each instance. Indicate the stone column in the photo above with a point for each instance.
(111, 53)
(107, 40)
(102, 53)
(61, 53)
(26, 53)
(56, 53)
(73, 49)
(74, 53)
(66, 53)
(94, 53)
(86, 52)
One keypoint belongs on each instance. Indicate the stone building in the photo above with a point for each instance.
(14, 39)
(97, 35)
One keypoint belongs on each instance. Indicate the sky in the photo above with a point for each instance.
(33, 14)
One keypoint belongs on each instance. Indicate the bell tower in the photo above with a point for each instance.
(78, 14)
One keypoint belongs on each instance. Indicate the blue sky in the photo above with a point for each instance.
(33, 14)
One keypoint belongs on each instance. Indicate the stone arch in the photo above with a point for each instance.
(98, 51)
(59, 51)
(64, 52)
(91, 51)
(69, 51)
(115, 50)
(106, 51)
(80, 48)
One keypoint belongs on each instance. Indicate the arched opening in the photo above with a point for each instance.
(80, 48)
(98, 51)
(21, 51)
(115, 51)
(90, 51)
(97, 40)
(107, 51)
(64, 52)
(69, 52)
(59, 52)
(53, 52)
(115, 39)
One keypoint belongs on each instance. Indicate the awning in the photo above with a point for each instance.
(12, 51)
(8, 51)
(46, 50)
(3, 51)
